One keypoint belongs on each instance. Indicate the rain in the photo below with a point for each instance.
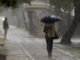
(39, 30)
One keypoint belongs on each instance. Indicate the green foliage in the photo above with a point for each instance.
(13, 3)
(65, 4)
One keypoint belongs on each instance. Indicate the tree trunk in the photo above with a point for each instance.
(69, 18)
(66, 39)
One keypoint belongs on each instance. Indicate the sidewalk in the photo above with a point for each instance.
(22, 46)
(73, 49)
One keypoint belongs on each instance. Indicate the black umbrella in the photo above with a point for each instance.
(50, 19)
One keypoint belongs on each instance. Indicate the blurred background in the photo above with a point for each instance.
(28, 17)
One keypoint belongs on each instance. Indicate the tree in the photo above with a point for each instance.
(66, 39)
(13, 3)
(67, 5)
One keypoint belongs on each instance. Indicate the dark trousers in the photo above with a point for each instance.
(49, 42)
(5, 33)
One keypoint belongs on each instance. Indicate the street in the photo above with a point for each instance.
(22, 46)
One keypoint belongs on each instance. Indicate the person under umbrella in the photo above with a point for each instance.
(50, 32)
(50, 19)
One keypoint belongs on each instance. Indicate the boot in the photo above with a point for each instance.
(49, 54)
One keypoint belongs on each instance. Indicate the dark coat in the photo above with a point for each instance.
(5, 24)
(49, 30)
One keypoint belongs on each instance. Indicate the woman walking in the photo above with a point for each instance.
(49, 30)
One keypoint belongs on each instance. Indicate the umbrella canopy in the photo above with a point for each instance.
(50, 19)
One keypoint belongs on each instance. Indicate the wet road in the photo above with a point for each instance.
(22, 46)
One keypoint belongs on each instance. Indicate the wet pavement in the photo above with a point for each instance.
(22, 46)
